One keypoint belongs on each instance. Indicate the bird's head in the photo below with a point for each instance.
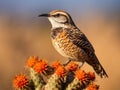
(59, 18)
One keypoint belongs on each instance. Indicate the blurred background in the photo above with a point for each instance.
(23, 34)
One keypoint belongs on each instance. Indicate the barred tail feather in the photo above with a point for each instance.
(94, 62)
(100, 70)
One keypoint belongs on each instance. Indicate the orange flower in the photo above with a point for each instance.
(72, 66)
(56, 64)
(91, 75)
(93, 87)
(40, 66)
(81, 75)
(60, 71)
(20, 81)
(32, 61)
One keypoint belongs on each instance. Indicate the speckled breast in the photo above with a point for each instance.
(65, 47)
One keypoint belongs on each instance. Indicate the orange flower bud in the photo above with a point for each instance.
(91, 75)
(20, 81)
(40, 66)
(72, 66)
(93, 87)
(60, 71)
(56, 64)
(32, 61)
(81, 75)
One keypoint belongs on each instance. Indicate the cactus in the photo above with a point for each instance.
(43, 76)
(37, 79)
(54, 83)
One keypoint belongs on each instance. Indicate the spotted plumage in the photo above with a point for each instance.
(70, 42)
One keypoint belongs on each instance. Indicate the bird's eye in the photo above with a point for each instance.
(57, 15)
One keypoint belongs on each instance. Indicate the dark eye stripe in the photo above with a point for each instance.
(57, 15)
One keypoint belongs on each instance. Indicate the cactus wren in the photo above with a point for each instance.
(70, 42)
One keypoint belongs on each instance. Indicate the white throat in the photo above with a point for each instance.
(57, 24)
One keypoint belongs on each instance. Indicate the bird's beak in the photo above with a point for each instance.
(44, 15)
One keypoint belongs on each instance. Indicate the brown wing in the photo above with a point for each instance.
(81, 41)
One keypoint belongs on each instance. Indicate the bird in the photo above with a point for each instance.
(71, 42)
